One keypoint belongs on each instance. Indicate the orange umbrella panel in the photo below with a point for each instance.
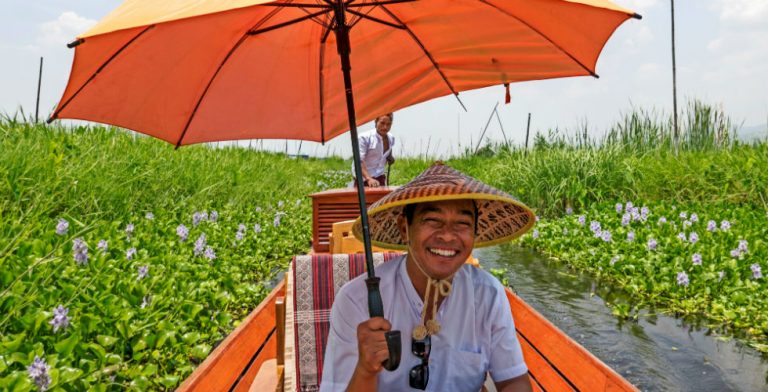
(221, 70)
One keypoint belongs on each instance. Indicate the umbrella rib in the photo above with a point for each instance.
(221, 65)
(426, 52)
(322, 85)
(109, 60)
(543, 36)
(290, 22)
(377, 20)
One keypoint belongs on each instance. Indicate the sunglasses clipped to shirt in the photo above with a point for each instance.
(419, 375)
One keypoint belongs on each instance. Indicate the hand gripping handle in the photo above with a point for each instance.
(376, 309)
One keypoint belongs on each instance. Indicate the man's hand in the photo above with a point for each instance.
(372, 182)
(372, 349)
(371, 345)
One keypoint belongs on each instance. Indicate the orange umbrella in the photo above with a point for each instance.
(192, 71)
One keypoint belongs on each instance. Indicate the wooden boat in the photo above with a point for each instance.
(263, 352)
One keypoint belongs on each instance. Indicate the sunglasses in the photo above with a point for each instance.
(419, 375)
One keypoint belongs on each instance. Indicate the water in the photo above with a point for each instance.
(657, 353)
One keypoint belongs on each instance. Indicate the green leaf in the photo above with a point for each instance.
(66, 346)
(68, 374)
(106, 341)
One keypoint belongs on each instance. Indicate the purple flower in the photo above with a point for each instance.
(535, 234)
(631, 236)
(652, 244)
(60, 319)
(694, 217)
(149, 216)
(80, 250)
(618, 208)
(130, 253)
(725, 225)
(662, 220)
(103, 246)
(239, 236)
(606, 236)
(625, 219)
(38, 373)
(696, 259)
(594, 226)
(756, 272)
(720, 275)
(257, 228)
(582, 220)
(214, 216)
(209, 253)
(569, 211)
(743, 246)
(629, 205)
(686, 223)
(682, 279)
(614, 259)
(693, 237)
(644, 212)
(298, 202)
(183, 232)
(129, 230)
(198, 217)
(735, 253)
(683, 215)
(200, 245)
(681, 236)
(62, 227)
(145, 301)
(143, 272)
(280, 204)
(278, 217)
(258, 209)
(711, 226)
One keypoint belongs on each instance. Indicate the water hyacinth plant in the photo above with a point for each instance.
(664, 267)
(70, 325)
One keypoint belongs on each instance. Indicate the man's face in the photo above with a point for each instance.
(441, 235)
(383, 125)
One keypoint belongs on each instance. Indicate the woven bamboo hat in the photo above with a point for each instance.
(500, 217)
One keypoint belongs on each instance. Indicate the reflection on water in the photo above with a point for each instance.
(658, 353)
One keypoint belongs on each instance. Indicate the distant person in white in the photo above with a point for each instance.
(376, 151)
(449, 341)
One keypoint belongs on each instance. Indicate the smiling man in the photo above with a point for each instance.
(455, 319)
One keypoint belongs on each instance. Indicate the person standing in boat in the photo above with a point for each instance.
(376, 151)
(455, 320)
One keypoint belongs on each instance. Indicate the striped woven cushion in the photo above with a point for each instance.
(317, 279)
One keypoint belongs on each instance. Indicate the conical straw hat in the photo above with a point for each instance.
(500, 217)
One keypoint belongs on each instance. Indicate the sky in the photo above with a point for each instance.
(722, 60)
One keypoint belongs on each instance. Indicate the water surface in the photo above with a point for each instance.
(656, 353)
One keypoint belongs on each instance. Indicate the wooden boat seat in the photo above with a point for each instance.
(313, 281)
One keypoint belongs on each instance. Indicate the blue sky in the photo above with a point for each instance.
(722, 59)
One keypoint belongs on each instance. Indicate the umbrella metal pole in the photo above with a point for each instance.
(375, 305)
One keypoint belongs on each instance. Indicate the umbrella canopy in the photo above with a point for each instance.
(198, 71)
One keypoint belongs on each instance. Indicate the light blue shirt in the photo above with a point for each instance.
(477, 333)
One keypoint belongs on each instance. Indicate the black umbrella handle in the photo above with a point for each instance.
(376, 309)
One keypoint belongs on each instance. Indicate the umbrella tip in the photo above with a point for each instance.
(75, 43)
(637, 16)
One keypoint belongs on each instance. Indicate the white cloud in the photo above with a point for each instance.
(63, 30)
(743, 11)
(641, 5)
(642, 35)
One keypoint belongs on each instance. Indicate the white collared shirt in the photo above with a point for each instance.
(477, 333)
(372, 152)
